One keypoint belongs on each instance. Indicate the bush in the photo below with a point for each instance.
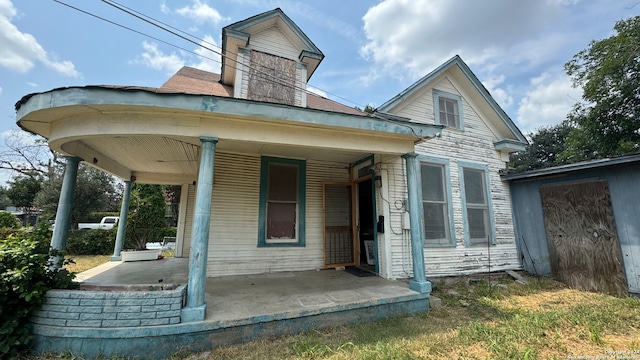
(91, 242)
(8, 220)
(6, 232)
(25, 277)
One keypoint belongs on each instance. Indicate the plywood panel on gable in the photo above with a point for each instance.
(273, 41)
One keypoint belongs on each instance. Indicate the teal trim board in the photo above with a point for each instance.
(487, 186)
(429, 159)
(302, 202)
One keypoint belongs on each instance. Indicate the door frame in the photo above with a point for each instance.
(324, 226)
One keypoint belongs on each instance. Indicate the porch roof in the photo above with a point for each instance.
(153, 133)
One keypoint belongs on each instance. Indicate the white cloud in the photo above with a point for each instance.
(20, 51)
(201, 12)
(412, 37)
(548, 102)
(32, 84)
(0, 90)
(209, 61)
(501, 96)
(157, 60)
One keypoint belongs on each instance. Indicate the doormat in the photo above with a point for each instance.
(358, 272)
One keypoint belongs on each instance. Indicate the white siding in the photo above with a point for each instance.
(474, 144)
(273, 41)
(233, 232)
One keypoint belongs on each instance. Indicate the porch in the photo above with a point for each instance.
(239, 308)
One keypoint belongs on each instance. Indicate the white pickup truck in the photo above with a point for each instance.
(107, 222)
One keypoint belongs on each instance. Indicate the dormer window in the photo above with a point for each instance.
(448, 109)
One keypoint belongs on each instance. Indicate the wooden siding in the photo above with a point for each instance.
(473, 144)
(273, 41)
(234, 219)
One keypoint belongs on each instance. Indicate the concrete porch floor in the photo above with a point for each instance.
(242, 297)
(239, 309)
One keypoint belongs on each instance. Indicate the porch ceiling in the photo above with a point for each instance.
(166, 159)
(154, 135)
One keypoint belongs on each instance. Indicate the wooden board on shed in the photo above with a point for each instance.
(584, 251)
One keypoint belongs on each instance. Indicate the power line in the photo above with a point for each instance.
(135, 31)
(266, 76)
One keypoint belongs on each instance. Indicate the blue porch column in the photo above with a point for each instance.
(63, 214)
(122, 222)
(416, 219)
(196, 307)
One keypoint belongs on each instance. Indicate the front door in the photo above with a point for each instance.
(339, 246)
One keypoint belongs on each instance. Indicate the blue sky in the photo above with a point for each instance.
(373, 49)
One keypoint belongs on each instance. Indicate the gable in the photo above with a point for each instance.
(271, 32)
(454, 76)
(273, 41)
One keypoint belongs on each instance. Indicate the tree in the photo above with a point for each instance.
(92, 192)
(22, 192)
(544, 150)
(27, 154)
(4, 199)
(608, 70)
(146, 215)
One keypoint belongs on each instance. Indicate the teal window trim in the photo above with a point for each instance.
(428, 159)
(482, 167)
(302, 193)
(437, 94)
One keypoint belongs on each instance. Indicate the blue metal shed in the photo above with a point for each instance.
(622, 174)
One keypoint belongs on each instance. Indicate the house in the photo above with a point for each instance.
(579, 223)
(276, 179)
(463, 203)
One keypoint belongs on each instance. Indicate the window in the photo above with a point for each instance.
(476, 206)
(448, 109)
(436, 201)
(282, 202)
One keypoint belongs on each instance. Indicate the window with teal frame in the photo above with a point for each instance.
(448, 109)
(479, 225)
(281, 217)
(436, 201)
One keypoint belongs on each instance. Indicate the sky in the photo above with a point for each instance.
(373, 49)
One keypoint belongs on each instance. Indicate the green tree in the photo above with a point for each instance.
(22, 192)
(146, 215)
(608, 70)
(544, 149)
(92, 192)
(4, 199)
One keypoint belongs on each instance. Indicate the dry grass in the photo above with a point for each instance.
(86, 262)
(543, 320)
